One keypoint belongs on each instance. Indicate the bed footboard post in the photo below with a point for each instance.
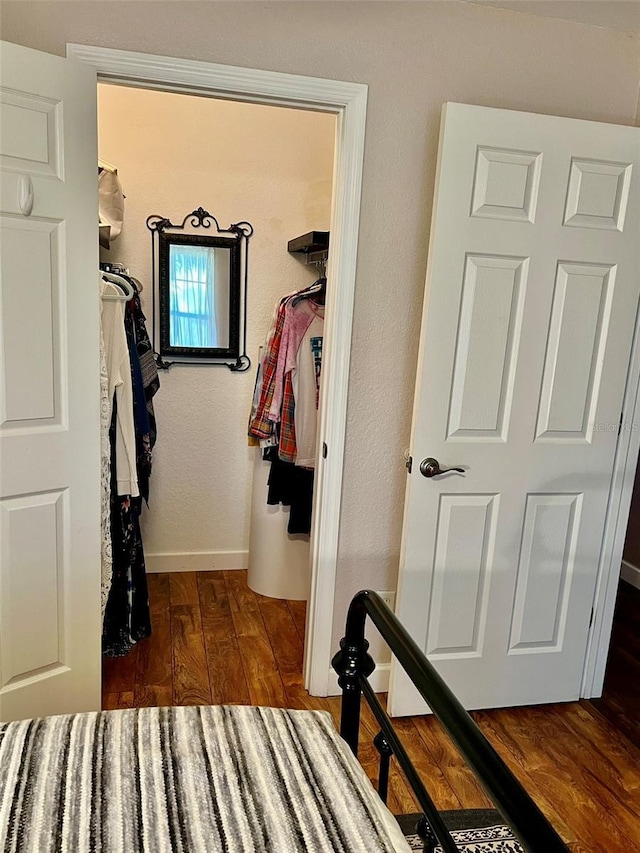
(352, 662)
(384, 748)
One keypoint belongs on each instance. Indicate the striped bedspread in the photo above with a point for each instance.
(212, 778)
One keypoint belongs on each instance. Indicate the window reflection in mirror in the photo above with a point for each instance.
(199, 296)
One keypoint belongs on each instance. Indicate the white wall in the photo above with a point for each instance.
(270, 166)
(413, 56)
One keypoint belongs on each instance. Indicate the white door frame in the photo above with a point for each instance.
(620, 493)
(348, 101)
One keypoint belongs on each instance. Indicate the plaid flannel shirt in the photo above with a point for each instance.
(260, 426)
(287, 448)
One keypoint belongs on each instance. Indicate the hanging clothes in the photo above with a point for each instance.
(127, 618)
(119, 375)
(291, 486)
(285, 401)
(295, 399)
(140, 411)
(132, 433)
(259, 424)
(105, 479)
(272, 400)
(148, 367)
(297, 319)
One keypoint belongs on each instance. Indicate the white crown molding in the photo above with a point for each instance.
(242, 83)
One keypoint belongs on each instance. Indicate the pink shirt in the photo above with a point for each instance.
(298, 318)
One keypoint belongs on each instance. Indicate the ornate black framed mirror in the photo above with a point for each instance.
(200, 280)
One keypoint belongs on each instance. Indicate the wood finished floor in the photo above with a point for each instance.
(620, 702)
(215, 641)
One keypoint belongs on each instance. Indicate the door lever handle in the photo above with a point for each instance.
(430, 467)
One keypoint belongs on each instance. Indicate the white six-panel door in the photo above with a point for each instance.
(532, 292)
(49, 393)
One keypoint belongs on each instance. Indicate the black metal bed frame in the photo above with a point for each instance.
(353, 665)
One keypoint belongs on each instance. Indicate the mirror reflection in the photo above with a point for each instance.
(199, 279)
(200, 305)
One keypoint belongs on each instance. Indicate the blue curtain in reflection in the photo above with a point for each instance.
(192, 303)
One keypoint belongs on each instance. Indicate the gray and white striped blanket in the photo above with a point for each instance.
(221, 778)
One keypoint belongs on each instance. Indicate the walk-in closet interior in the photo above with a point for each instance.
(214, 232)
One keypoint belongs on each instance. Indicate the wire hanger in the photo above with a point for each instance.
(321, 266)
(121, 282)
(318, 288)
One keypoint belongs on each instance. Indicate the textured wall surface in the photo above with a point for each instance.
(414, 57)
(272, 167)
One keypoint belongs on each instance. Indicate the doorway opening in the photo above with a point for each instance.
(348, 102)
(212, 543)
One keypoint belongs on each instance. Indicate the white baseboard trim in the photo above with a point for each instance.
(379, 680)
(197, 561)
(630, 574)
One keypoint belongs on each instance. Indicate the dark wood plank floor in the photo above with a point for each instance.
(214, 640)
(620, 702)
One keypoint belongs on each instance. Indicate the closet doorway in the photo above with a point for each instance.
(348, 102)
(214, 638)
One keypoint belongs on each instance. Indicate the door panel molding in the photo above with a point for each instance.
(544, 572)
(598, 194)
(506, 184)
(480, 408)
(580, 318)
(465, 536)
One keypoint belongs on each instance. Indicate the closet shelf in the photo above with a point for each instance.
(314, 246)
(314, 241)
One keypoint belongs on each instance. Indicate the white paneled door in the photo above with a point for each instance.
(49, 392)
(532, 292)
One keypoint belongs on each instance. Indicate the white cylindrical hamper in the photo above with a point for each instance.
(278, 562)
